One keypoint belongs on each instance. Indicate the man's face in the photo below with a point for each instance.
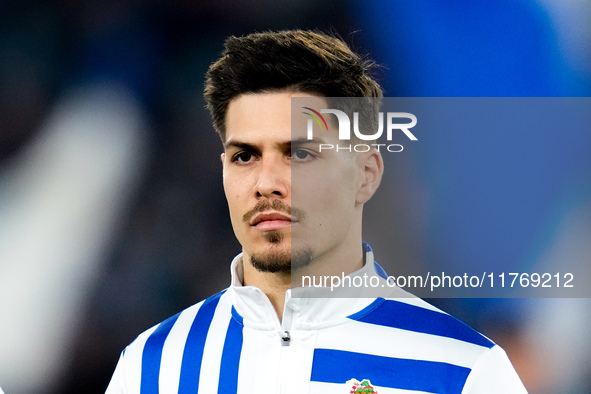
(289, 203)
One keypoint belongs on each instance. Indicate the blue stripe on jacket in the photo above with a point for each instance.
(397, 314)
(193, 352)
(228, 382)
(338, 366)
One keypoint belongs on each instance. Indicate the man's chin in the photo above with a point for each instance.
(283, 261)
(274, 237)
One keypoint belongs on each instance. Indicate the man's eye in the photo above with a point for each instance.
(301, 155)
(243, 157)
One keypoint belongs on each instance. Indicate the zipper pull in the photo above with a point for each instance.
(285, 338)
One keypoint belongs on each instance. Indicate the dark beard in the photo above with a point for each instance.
(281, 262)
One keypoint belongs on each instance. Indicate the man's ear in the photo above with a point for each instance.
(372, 167)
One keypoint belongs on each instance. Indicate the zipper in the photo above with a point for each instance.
(286, 321)
(285, 338)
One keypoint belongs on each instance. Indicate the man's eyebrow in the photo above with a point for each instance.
(239, 145)
(304, 141)
(287, 144)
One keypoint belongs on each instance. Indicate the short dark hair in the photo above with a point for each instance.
(294, 60)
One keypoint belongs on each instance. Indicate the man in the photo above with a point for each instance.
(258, 336)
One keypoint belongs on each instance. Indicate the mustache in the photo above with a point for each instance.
(275, 205)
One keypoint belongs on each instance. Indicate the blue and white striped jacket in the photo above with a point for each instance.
(233, 342)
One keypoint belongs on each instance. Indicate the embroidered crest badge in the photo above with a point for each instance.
(363, 387)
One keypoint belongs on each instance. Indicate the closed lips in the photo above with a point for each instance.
(264, 217)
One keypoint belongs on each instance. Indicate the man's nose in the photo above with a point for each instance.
(273, 179)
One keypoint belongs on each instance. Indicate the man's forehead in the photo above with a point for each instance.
(268, 117)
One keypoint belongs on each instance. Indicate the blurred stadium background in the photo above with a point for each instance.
(112, 213)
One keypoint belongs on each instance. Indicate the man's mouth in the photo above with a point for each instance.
(267, 221)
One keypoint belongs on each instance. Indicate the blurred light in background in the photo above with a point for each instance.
(61, 197)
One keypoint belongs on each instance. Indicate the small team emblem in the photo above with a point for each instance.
(363, 387)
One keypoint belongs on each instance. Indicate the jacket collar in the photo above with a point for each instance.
(308, 307)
